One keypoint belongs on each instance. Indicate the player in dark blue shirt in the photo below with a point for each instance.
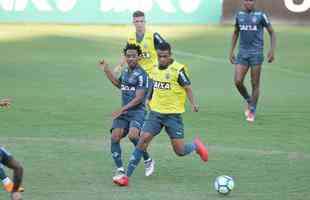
(133, 83)
(249, 28)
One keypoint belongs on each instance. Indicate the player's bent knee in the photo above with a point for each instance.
(116, 137)
(133, 134)
(144, 140)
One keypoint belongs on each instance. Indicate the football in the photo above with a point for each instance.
(224, 184)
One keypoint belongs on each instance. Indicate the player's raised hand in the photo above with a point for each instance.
(195, 107)
(16, 196)
(232, 58)
(270, 56)
(5, 102)
(103, 64)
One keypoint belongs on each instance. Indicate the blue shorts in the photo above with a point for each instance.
(131, 119)
(4, 155)
(173, 124)
(250, 59)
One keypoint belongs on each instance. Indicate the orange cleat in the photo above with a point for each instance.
(201, 150)
(122, 181)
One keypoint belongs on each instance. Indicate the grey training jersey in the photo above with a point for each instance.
(251, 28)
(132, 80)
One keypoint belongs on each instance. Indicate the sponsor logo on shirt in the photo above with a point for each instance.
(162, 85)
(245, 27)
(127, 88)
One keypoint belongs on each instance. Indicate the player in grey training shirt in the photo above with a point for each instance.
(249, 26)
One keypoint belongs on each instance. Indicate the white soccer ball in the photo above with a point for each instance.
(224, 184)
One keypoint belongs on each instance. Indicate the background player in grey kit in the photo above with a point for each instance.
(129, 119)
(249, 25)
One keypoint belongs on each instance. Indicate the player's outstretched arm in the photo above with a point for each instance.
(190, 96)
(6, 102)
(234, 40)
(17, 173)
(271, 52)
(104, 66)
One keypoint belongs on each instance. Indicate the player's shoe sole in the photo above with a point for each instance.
(122, 181)
(201, 150)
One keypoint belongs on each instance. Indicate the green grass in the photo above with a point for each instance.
(58, 125)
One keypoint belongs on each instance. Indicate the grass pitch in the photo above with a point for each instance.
(58, 125)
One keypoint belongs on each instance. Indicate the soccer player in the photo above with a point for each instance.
(14, 188)
(170, 89)
(133, 83)
(249, 25)
(6, 159)
(148, 42)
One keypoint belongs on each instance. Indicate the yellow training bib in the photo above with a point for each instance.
(168, 95)
(149, 60)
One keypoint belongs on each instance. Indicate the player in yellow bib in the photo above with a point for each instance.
(148, 42)
(170, 90)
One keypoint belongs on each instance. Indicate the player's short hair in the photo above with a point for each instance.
(130, 46)
(165, 46)
(138, 13)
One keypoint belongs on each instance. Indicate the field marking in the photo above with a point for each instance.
(225, 61)
(104, 142)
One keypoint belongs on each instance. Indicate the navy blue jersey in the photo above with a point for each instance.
(132, 80)
(251, 28)
(4, 155)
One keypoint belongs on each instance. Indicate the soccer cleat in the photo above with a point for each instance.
(201, 150)
(251, 117)
(8, 187)
(120, 172)
(122, 181)
(149, 166)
